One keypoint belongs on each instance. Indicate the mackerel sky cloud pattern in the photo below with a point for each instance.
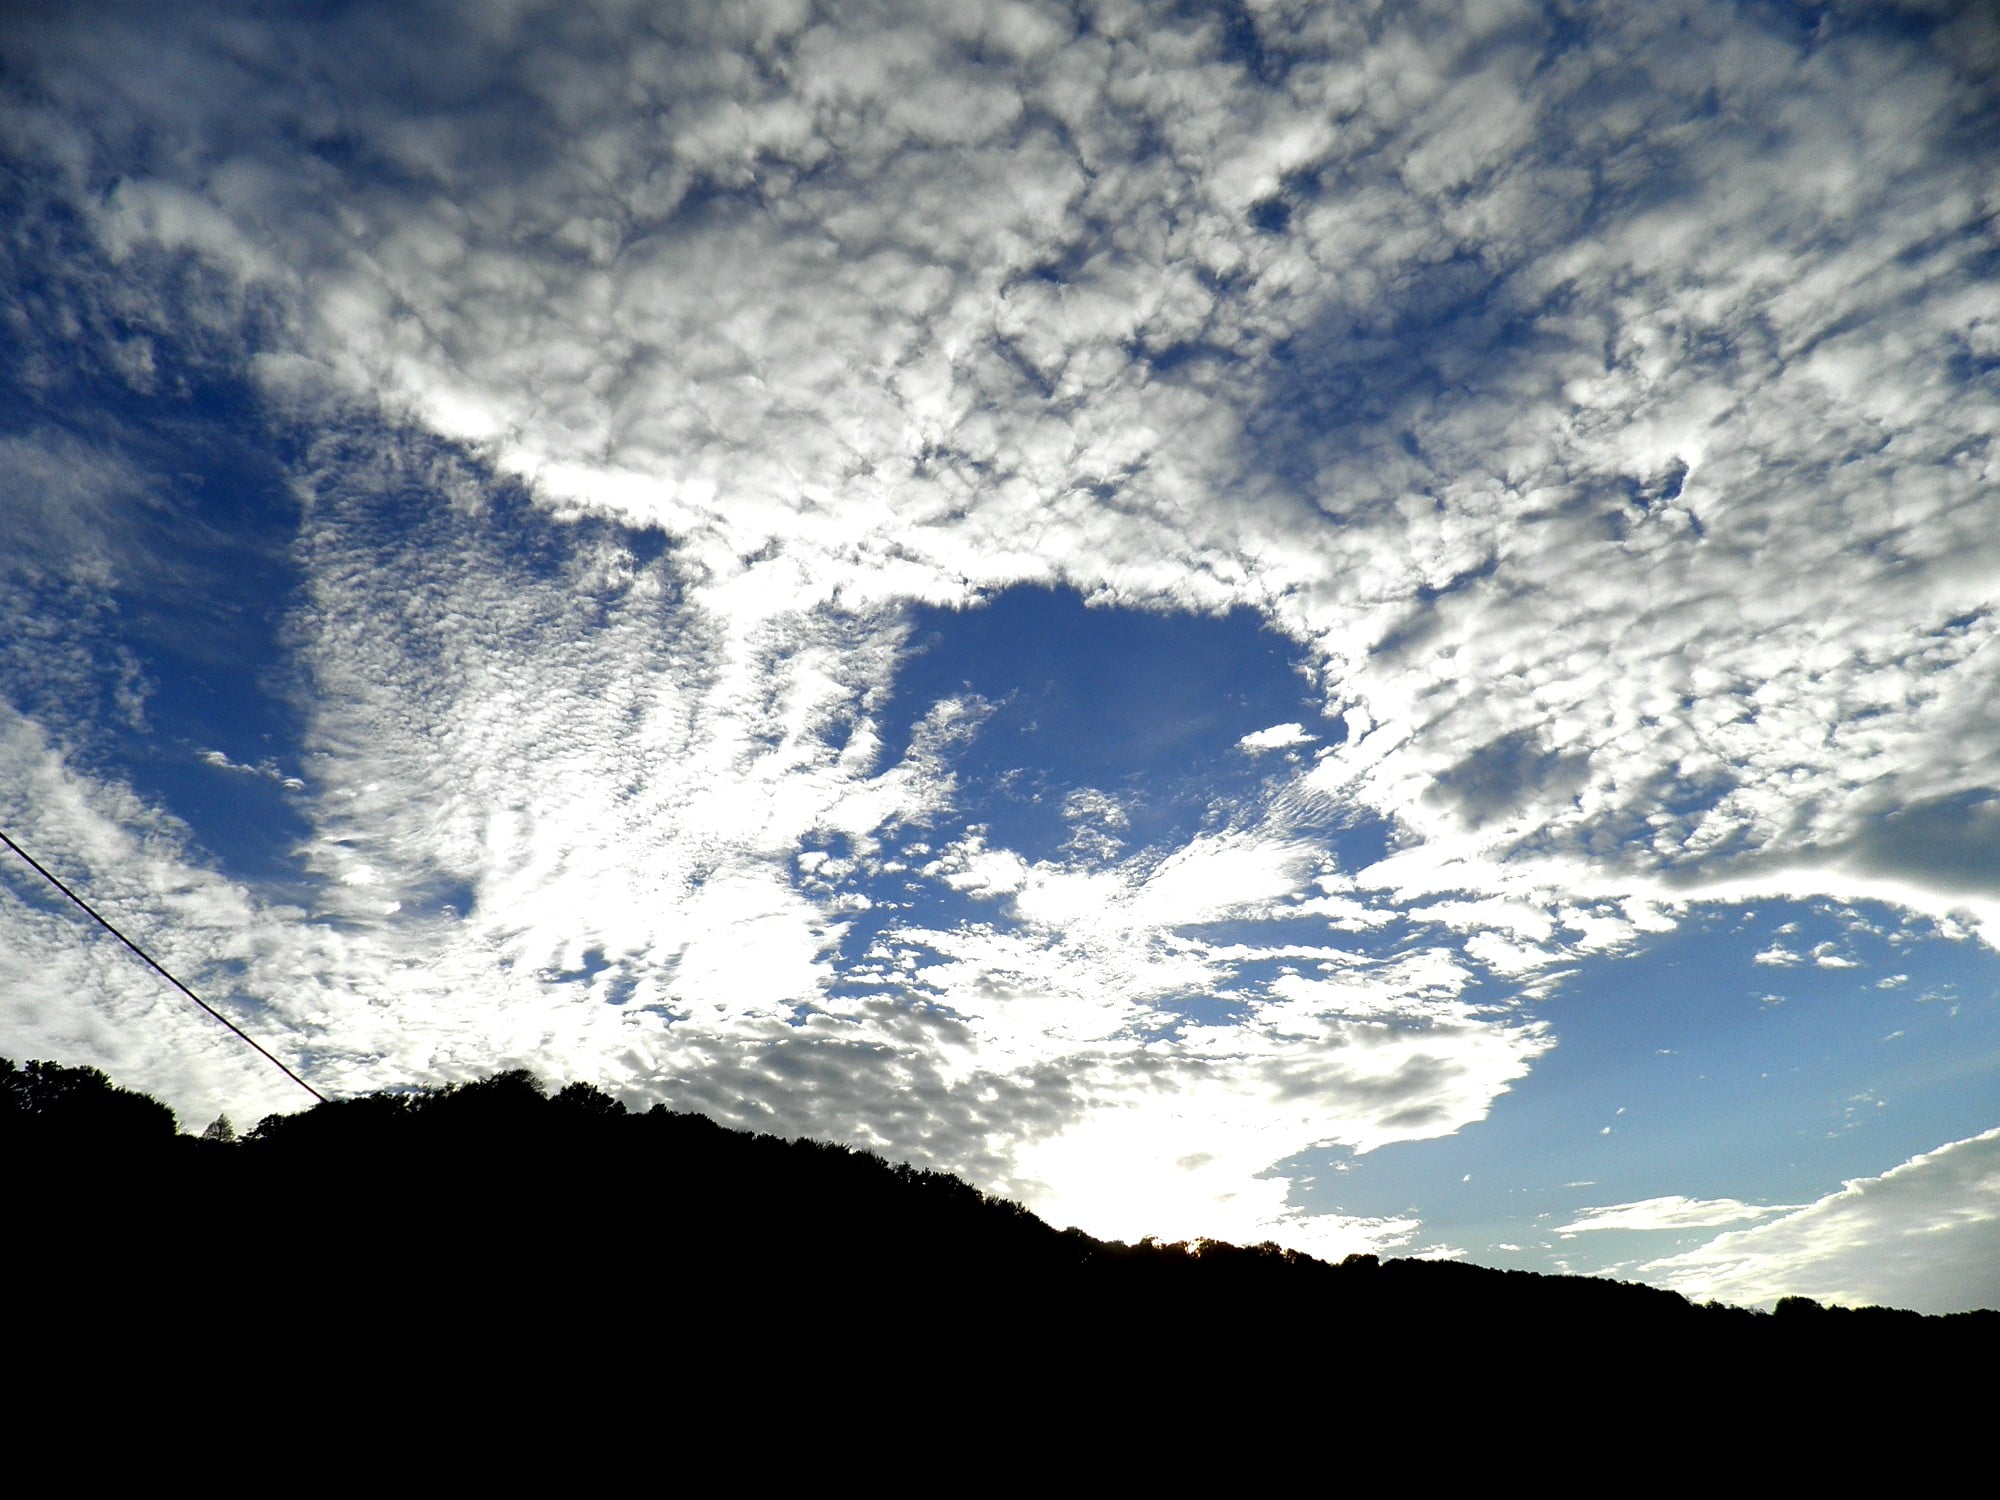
(1371, 626)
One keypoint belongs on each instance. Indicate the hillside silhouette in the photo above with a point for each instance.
(470, 1222)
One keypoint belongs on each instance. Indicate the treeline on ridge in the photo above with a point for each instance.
(497, 1204)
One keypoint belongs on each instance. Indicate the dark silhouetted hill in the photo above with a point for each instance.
(480, 1226)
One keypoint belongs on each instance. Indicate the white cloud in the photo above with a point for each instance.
(792, 320)
(1924, 1235)
(266, 771)
(71, 993)
(1277, 737)
(72, 544)
(1670, 1212)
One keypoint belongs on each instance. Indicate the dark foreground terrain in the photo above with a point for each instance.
(493, 1232)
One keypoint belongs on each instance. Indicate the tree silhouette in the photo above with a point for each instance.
(79, 1107)
(444, 1223)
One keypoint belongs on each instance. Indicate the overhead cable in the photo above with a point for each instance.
(157, 967)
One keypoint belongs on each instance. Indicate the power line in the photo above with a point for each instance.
(91, 912)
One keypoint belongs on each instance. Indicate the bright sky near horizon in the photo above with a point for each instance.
(1370, 625)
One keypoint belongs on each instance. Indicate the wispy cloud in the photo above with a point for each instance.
(1671, 1212)
(1922, 1235)
(68, 992)
(265, 770)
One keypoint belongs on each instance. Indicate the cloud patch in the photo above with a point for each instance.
(1922, 1235)
(1671, 1212)
(1277, 737)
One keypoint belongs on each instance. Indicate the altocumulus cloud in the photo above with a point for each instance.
(1603, 410)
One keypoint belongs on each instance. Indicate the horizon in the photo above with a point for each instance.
(1261, 623)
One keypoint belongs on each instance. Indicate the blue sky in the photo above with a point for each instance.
(1366, 629)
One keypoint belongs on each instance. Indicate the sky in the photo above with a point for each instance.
(1363, 625)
